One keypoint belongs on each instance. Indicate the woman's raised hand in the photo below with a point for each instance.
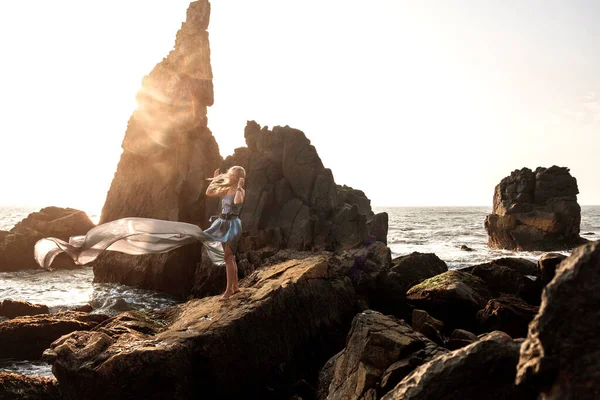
(217, 172)
(241, 183)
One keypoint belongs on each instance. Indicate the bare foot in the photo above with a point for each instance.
(236, 289)
(226, 295)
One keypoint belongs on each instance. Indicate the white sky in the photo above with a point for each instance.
(416, 103)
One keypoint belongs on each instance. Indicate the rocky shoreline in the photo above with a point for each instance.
(307, 325)
(324, 311)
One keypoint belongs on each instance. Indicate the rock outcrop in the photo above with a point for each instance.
(168, 151)
(286, 322)
(560, 355)
(292, 200)
(17, 308)
(16, 249)
(535, 210)
(379, 352)
(507, 314)
(454, 297)
(14, 386)
(26, 338)
(482, 370)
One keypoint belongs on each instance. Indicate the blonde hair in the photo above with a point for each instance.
(223, 182)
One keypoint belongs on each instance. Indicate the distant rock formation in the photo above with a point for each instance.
(535, 211)
(292, 199)
(16, 245)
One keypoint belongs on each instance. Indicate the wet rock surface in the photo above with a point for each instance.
(26, 338)
(16, 245)
(14, 386)
(535, 210)
(17, 308)
(561, 352)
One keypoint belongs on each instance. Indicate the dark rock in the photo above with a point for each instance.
(16, 249)
(377, 226)
(521, 265)
(561, 352)
(464, 247)
(427, 325)
(535, 211)
(213, 349)
(588, 234)
(461, 338)
(26, 338)
(375, 343)
(547, 265)
(14, 386)
(17, 308)
(482, 370)
(453, 297)
(325, 377)
(506, 280)
(508, 314)
(87, 308)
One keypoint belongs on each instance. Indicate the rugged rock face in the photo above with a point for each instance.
(482, 370)
(561, 352)
(379, 349)
(293, 201)
(168, 151)
(547, 265)
(16, 249)
(16, 308)
(26, 338)
(507, 314)
(289, 318)
(14, 386)
(535, 211)
(453, 297)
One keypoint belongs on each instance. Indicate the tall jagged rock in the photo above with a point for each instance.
(535, 210)
(168, 151)
(292, 199)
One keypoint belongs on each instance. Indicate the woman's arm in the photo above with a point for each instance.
(240, 193)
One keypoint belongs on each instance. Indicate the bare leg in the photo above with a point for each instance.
(236, 287)
(231, 272)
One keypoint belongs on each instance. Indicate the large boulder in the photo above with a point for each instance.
(294, 200)
(535, 211)
(454, 297)
(16, 249)
(502, 279)
(560, 355)
(405, 272)
(482, 370)
(507, 314)
(547, 265)
(375, 343)
(26, 338)
(14, 386)
(288, 319)
(18, 308)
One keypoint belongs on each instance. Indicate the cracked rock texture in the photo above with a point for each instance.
(535, 210)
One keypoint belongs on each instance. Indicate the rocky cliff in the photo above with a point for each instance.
(535, 210)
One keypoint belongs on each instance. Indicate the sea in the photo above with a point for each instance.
(439, 230)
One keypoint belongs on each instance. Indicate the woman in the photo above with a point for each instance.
(227, 228)
(147, 236)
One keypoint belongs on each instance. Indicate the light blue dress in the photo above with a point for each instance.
(147, 236)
